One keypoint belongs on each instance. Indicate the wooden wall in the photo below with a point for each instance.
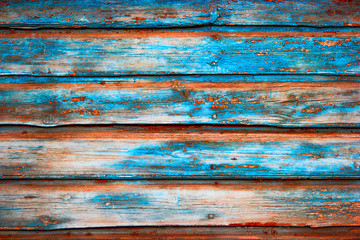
(207, 119)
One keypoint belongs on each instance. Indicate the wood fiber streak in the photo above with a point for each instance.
(177, 152)
(183, 233)
(214, 50)
(186, 100)
(36, 205)
(175, 13)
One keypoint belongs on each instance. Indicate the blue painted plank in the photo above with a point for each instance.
(177, 13)
(290, 12)
(44, 205)
(216, 50)
(178, 152)
(292, 101)
(107, 14)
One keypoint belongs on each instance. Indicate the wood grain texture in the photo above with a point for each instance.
(266, 100)
(182, 233)
(214, 50)
(175, 13)
(290, 12)
(248, 62)
(178, 152)
(35, 205)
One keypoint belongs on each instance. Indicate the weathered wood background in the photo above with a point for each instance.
(209, 119)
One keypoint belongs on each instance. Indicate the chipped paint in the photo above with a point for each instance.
(172, 13)
(272, 68)
(178, 203)
(179, 51)
(185, 152)
(183, 100)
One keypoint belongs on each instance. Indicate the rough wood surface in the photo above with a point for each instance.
(214, 50)
(182, 233)
(274, 63)
(265, 100)
(32, 205)
(177, 152)
(290, 12)
(175, 13)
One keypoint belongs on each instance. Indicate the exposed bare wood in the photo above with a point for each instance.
(31, 205)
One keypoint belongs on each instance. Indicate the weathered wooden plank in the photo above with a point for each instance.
(178, 152)
(175, 13)
(31, 205)
(113, 13)
(192, 99)
(182, 233)
(290, 12)
(215, 50)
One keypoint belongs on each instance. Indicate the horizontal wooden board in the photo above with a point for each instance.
(214, 50)
(266, 100)
(290, 12)
(175, 13)
(35, 205)
(178, 152)
(182, 233)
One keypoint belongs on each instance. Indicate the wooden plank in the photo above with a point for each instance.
(290, 12)
(182, 233)
(215, 50)
(178, 152)
(175, 13)
(267, 100)
(35, 205)
(107, 14)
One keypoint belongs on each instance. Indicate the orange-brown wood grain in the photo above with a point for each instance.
(177, 152)
(206, 50)
(180, 119)
(185, 100)
(170, 13)
(36, 205)
(182, 233)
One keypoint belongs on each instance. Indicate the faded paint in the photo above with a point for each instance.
(179, 51)
(174, 13)
(178, 203)
(286, 93)
(177, 152)
(133, 100)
